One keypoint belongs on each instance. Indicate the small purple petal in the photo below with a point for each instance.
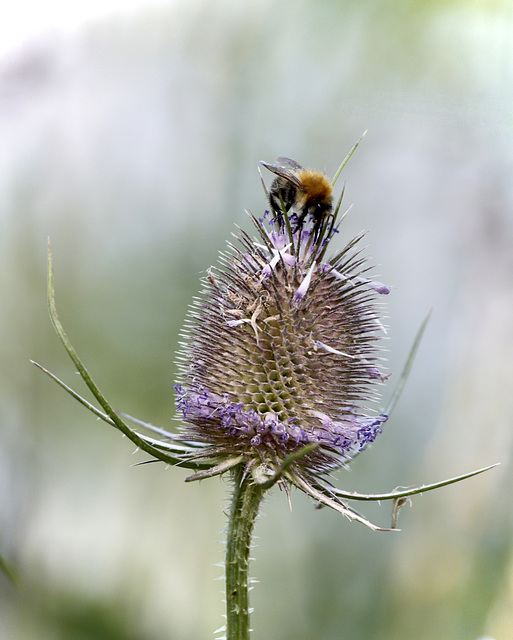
(379, 287)
(303, 287)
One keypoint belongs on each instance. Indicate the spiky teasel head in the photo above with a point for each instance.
(278, 369)
(281, 352)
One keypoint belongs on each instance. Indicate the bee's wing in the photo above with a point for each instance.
(282, 161)
(284, 171)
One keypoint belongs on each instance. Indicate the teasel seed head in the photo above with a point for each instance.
(281, 351)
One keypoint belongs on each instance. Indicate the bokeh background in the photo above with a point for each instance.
(132, 138)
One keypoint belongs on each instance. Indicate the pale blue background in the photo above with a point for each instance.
(134, 145)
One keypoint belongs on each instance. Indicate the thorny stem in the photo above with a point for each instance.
(246, 500)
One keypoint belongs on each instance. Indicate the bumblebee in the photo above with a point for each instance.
(307, 193)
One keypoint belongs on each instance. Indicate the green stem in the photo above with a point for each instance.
(244, 510)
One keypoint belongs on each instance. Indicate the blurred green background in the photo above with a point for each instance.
(133, 142)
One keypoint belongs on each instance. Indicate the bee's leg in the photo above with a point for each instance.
(279, 220)
(324, 227)
(300, 220)
(317, 229)
(331, 225)
(280, 208)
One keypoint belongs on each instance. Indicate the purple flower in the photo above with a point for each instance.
(278, 370)
(281, 351)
